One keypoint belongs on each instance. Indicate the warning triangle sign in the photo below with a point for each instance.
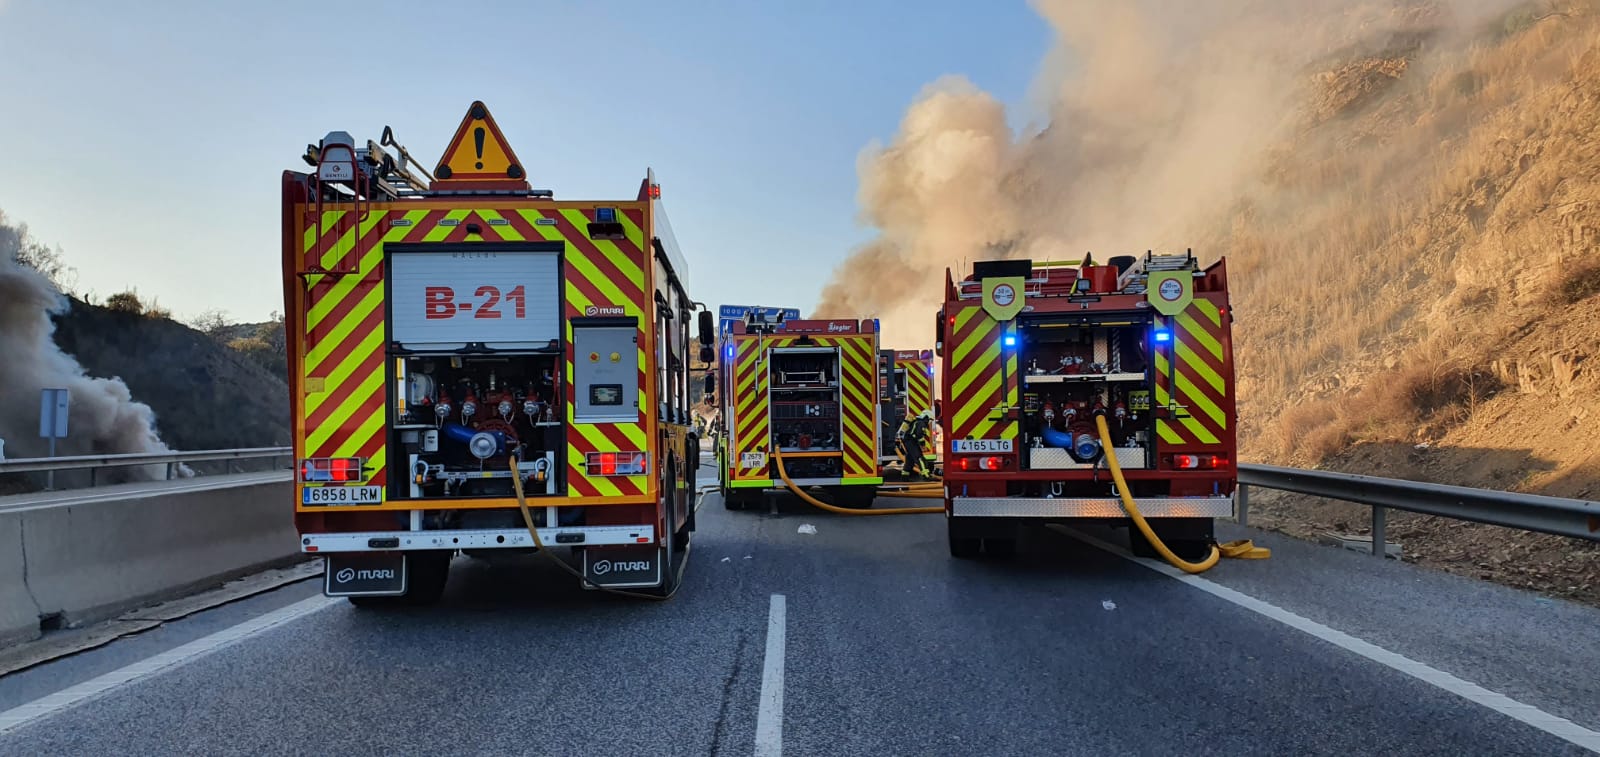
(479, 157)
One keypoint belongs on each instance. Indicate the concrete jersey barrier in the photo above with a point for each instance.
(80, 557)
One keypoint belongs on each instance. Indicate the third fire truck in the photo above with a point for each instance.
(808, 388)
(905, 391)
(1036, 355)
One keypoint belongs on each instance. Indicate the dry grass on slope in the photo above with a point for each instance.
(1433, 318)
(1405, 242)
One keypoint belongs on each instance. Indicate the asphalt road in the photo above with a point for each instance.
(889, 647)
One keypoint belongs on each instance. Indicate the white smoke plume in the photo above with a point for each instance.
(1160, 115)
(104, 418)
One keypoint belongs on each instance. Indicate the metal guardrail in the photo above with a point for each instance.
(172, 460)
(1576, 518)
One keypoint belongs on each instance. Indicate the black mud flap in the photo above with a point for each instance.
(364, 574)
(622, 567)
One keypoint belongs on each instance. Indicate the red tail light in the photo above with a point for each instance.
(338, 470)
(1198, 462)
(988, 463)
(615, 463)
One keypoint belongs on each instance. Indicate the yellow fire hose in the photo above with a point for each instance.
(777, 456)
(1242, 549)
(527, 519)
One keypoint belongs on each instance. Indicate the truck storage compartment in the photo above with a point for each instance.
(804, 386)
(459, 419)
(1072, 368)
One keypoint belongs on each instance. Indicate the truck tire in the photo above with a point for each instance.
(1140, 546)
(734, 499)
(670, 555)
(427, 573)
(962, 547)
(1188, 538)
(853, 497)
(1000, 549)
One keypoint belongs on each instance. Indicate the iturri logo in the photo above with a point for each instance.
(594, 310)
(602, 567)
(345, 576)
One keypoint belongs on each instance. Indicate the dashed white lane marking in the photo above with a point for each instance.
(47, 706)
(1555, 726)
(769, 717)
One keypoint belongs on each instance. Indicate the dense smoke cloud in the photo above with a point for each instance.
(104, 418)
(1160, 116)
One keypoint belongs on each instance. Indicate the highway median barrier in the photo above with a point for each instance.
(81, 557)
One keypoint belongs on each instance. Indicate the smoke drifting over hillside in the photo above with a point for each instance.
(104, 417)
(1160, 116)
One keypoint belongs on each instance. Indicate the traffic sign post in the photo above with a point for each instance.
(53, 406)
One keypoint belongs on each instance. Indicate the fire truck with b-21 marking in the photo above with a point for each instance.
(477, 366)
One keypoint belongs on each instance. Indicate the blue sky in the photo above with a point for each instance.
(146, 139)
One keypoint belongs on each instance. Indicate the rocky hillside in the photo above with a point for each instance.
(205, 395)
(1419, 279)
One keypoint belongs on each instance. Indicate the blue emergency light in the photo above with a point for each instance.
(1010, 340)
(605, 215)
(1162, 336)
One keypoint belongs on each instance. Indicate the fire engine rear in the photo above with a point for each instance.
(457, 335)
(1035, 353)
(806, 389)
(907, 441)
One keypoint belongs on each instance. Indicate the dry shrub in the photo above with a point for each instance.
(1429, 390)
(1580, 283)
(125, 302)
(1313, 431)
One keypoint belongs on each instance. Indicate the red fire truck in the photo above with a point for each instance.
(1034, 353)
(807, 388)
(453, 335)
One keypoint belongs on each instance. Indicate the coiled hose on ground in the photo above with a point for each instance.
(1242, 548)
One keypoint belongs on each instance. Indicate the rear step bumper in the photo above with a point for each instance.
(488, 538)
(1099, 507)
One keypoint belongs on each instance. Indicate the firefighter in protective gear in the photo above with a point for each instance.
(911, 441)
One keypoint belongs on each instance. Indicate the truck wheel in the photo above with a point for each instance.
(854, 497)
(962, 547)
(670, 554)
(426, 576)
(734, 499)
(1000, 549)
(1140, 546)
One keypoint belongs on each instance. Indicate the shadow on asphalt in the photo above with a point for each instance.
(1040, 551)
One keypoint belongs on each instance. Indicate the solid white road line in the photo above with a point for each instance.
(1555, 726)
(50, 705)
(769, 717)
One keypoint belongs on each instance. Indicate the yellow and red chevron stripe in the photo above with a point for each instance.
(603, 273)
(976, 385)
(919, 386)
(858, 387)
(751, 412)
(344, 411)
(1197, 376)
